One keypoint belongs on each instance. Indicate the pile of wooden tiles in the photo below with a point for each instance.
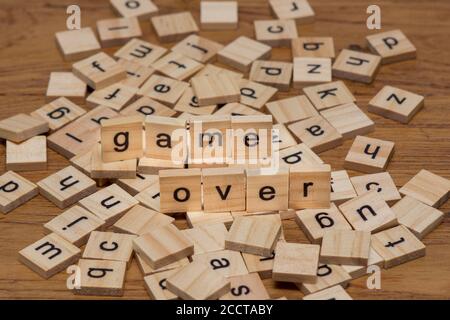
(236, 236)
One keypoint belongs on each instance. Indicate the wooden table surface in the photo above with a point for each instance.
(28, 54)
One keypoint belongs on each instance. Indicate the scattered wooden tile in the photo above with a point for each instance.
(81, 135)
(223, 189)
(299, 10)
(282, 138)
(141, 9)
(348, 247)
(99, 71)
(140, 220)
(30, 155)
(101, 278)
(140, 51)
(208, 285)
(356, 66)
(163, 89)
(315, 222)
(317, 133)
(313, 47)
(369, 155)
(66, 84)
(145, 106)
(58, 113)
(189, 103)
(219, 15)
(259, 264)
(397, 245)
(77, 44)
(256, 235)
(66, 187)
(75, 225)
(198, 48)
(146, 269)
(49, 255)
(207, 238)
(175, 26)
(396, 104)
(21, 127)
(226, 262)
(138, 184)
(82, 162)
(392, 46)
(254, 94)
(156, 285)
(109, 246)
(177, 66)
(295, 262)
(292, 109)
(242, 52)
(15, 190)
(273, 73)
(118, 31)
(276, 33)
(215, 89)
(349, 120)
(310, 71)
(109, 204)
(149, 197)
(368, 212)
(246, 287)
(237, 109)
(333, 293)
(120, 169)
(211, 69)
(299, 154)
(200, 218)
(163, 245)
(428, 188)
(267, 190)
(327, 276)
(418, 217)
(327, 95)
(137, 74)
(115, 96)
(381, 182)
(360, 271)
(341, 187)
(153, 166)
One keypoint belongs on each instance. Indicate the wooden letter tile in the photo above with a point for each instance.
(309, 186)
(246, 287)
(120, 169)
(349, 120)
(259, 264)
(237, 109)
(282, 138)
(392, 46)
(315, 222)
(397, 245)
(227, 263)
(162, 246)
(242, 52)
(313, 47)
(341, 187)
(137, 184)
(159, 132)
(290, 110)
(115, 96)
(163, 89)
(218, 15)
(215, 89)
(137, 74)
(15, 190)
(295, 262)
(300, 10)
(324, 96)
(254, 94)
(174, 26)
(299, 154)
(369, 212)
(360, 271)
(75, 225)
(381, 182)
(156, 285)
(142, 9)
(255, 234)
(327, 276)
(273, 73)
(356, 66)
(428, 188)
(333, 293)
(189, 103)
(396, 104)
(30, 155)
(347, 247)
(418, 217)
(117, 31)
(99, 71)
(49, 255)
(146, 269)
(101, 277)
(21, 127)
(109, 204)
(199, 218)
(66, 187)
(276, 33)
(207, 238)
(317, 133)
(109, 246)
(145, 106)
(198, 48)
(310, 71)
(77, 44)
(369, 155)
(177, 66)
(141, 52)
(66, 84)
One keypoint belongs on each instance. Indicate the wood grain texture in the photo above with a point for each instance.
(29, 54)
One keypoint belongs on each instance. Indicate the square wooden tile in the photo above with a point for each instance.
(299, 154)
(392, 46)
(189, 103)
(313, 47)
(15, 190)
(21, 127)
(272, 73)
(140, 220)
(327, 276)
(381, 182)
(292, 109)
(137, 74)
(219, 15)
(341, 187)
(348, 247)
(360, 271)
(138, 184)
(215, 89)
(254, 94)
(198, 48)
(428, 188)
(109, 246)
(211, 69)
(66, 84)
(246, 287)
(99, 169)
(356, 66)
(163, 89)
(115, 96)
(226, 262)
(332, 293)
(150, 196)
(175, 26)
(199, 218)
(146, 269)
(140, 51)
(369, 155)
(369, 212)
(118, 31)
(397, 245)
(207, 238)
(396, 104)
(141, 9)
(299, 10)
(146, 106)
(259, 264)
(177, 66)
(282, 137)
(236, 109)
(349, 120)
(310, 71)
(242, 52)
(327, 95)
(77, 44)
(275, 33)
(156, 285)
(30, 155)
